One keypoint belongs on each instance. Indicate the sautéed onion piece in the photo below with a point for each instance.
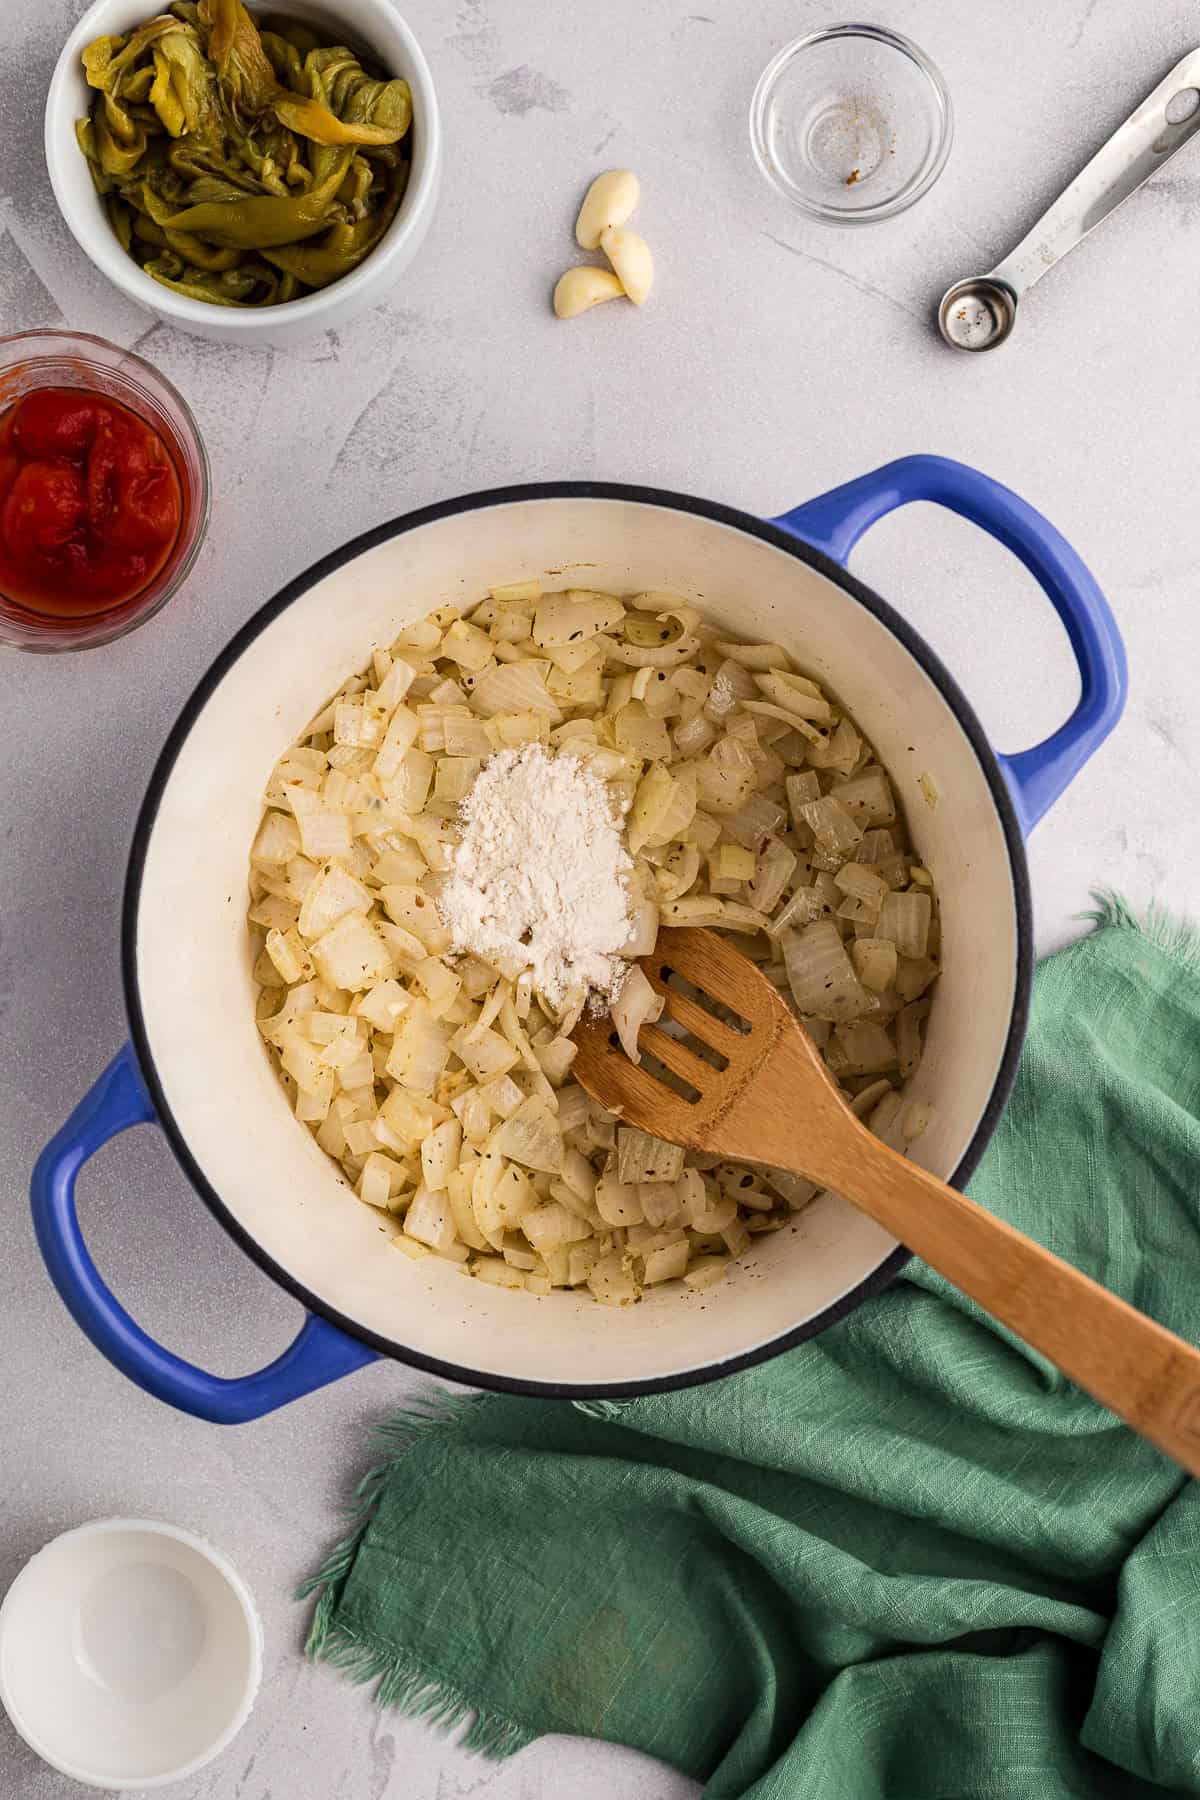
(441, 1083)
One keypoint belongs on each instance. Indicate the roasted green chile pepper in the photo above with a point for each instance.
(240, 167)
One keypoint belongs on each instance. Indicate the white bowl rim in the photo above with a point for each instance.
(242, 1594)
(97, 242)
(877, 1278)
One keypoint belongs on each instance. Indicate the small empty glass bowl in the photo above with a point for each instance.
(851, 124)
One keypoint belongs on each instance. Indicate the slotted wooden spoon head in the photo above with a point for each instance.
(772, 1101)
(775, 1102)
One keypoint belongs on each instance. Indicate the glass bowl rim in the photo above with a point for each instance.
(893, 40)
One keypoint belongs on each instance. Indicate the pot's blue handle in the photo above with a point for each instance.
(319, 1355)
(835, 521)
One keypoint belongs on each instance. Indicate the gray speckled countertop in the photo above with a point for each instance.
(776, 359)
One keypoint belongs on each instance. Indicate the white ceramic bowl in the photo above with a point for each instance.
(130, 1653)
(372, 23)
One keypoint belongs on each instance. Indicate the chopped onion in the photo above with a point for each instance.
(868, 798)
(551, 1226)
(840, 751)
(637, 734)
(662, 1203)
(666, 1263)
(406, 791)
(643, 926)
(706, 1271)
(512, 1196)
(352, 954)
(831, 825)
(440, 1153)
(467, 646)
(754, 821)
(775, 869)
(867, 1047)
(904, 919)
(325, 834)
(277, 841)
(330, 898)
(516, 593)
(801, 791)
(641, 1157)
(420, 1049)
(405, 1119)
(730, 913)
(730, 865)
(665, 605)
(862, 883)
(467, 737)
(874, 961)
(862, 914)
(514, 688)
(725, 777)
(636, 1005)
(484, 1052)
(730, 684)
(666, 656)
(574, 616)
(493, 1271)
(289, 954)
(821, 975)
(617, 1202)
(794, 1188)
(779, 715)
(430, 1220)
(584, 688)
(714, 1213)
(458, 1194)
(868, 1098)
(659, 800)
(908, 1036)
(556, 1058)
(395, 684)
(695, 736)
(806, 905)
(531, 1137)
(878, 846)
(913, 977)
(755, 656)
(611, 1282)
(677, 874)
(795, 694)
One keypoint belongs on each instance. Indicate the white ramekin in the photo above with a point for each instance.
(374, 24)
(130, 1653)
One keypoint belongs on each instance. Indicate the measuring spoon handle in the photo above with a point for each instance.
(1162, 124)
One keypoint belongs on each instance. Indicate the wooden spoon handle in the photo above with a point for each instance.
(1139, 1369)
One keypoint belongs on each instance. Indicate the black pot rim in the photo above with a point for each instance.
(880, 1277)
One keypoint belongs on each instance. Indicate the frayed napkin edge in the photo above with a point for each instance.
(401, 1681)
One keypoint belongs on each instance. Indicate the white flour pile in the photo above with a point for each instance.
(538, 873)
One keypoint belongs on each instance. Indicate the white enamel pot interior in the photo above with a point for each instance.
(191, 995)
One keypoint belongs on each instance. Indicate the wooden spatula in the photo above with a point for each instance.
(775, 1102)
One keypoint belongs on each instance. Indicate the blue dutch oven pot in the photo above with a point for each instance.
(196, 1065)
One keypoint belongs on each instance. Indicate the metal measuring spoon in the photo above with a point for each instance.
(980, 312)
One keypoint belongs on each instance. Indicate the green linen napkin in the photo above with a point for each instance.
(907, 1561)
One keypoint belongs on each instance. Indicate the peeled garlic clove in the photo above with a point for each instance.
(630, 256)
(583, 287)
(609, 201)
